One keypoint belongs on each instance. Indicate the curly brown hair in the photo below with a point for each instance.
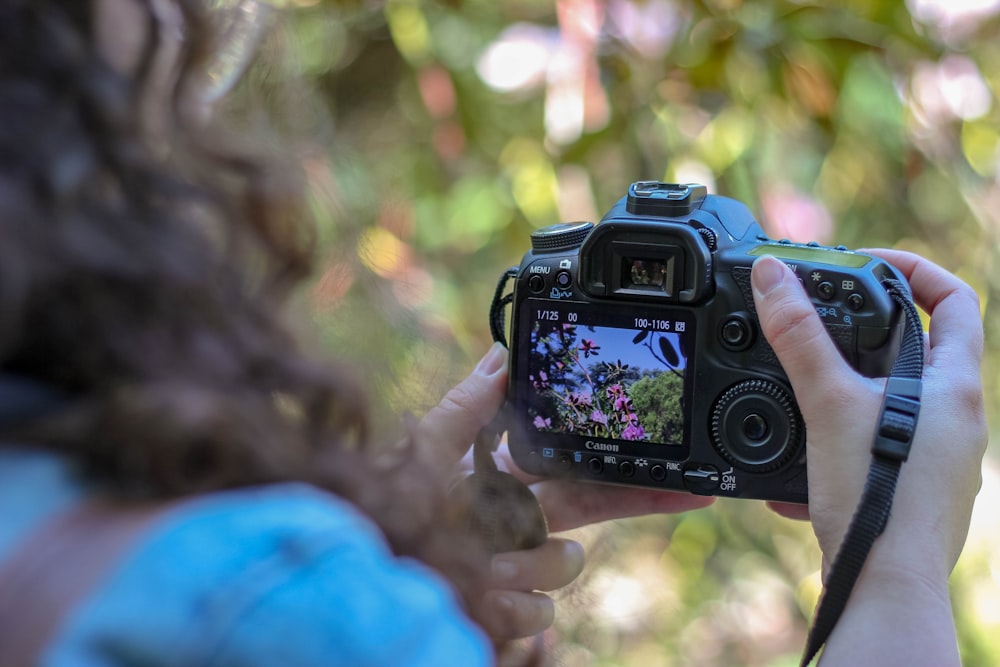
(146, 273)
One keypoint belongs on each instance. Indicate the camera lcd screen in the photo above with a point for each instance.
(807, 254)
(612, 374)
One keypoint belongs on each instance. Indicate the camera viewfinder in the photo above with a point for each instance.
(644, 273)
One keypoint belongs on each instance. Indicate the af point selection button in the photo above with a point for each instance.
(702, 480)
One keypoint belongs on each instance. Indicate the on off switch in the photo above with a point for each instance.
(703, 480)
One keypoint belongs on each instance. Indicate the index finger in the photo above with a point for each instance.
(951, 303)
(447, 431)
(570, 504)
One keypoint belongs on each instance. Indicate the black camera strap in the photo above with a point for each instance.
(897, 424)
(499, 304)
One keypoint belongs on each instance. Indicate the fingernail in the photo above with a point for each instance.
(505, 602)
(768, 273)
(493, 361)
(503, 569)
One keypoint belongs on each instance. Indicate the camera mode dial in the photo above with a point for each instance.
(756, 426)
(560, 236)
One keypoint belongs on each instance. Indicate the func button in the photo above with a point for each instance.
(658, 473)
(703, 480)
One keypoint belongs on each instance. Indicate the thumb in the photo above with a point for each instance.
(792, 327)
(447, 431)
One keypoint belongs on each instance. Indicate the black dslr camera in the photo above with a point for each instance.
(637, 358)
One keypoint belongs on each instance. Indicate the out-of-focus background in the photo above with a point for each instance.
(437, 135)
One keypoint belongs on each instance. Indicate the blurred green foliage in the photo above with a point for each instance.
(437, 135)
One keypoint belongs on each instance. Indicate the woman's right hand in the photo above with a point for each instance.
(937, 485)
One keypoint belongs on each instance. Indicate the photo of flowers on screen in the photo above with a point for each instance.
(607, 382)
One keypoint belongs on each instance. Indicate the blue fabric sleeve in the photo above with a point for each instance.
(34, 486)
(283, 575)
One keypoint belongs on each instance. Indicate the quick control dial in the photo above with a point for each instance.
(756, 426)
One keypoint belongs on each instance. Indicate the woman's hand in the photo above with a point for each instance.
(516, 608)
(902, 593)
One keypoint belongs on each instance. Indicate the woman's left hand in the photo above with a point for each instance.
(516, 608)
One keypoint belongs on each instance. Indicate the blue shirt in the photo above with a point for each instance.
(277, 575)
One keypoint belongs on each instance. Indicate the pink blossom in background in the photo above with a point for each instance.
(789, 214)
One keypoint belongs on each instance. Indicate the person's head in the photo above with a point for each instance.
(146, 262)
(143, 261)
(147, 259)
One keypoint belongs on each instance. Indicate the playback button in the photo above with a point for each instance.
(564, 279)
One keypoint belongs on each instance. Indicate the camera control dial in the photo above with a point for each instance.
(756, 427)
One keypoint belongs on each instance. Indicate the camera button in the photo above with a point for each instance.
(564, 279)
(735, 333)
(826, 290)
(855, 302)
(626, 468)
(658, 473)
(702, 480)
(536, 283)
